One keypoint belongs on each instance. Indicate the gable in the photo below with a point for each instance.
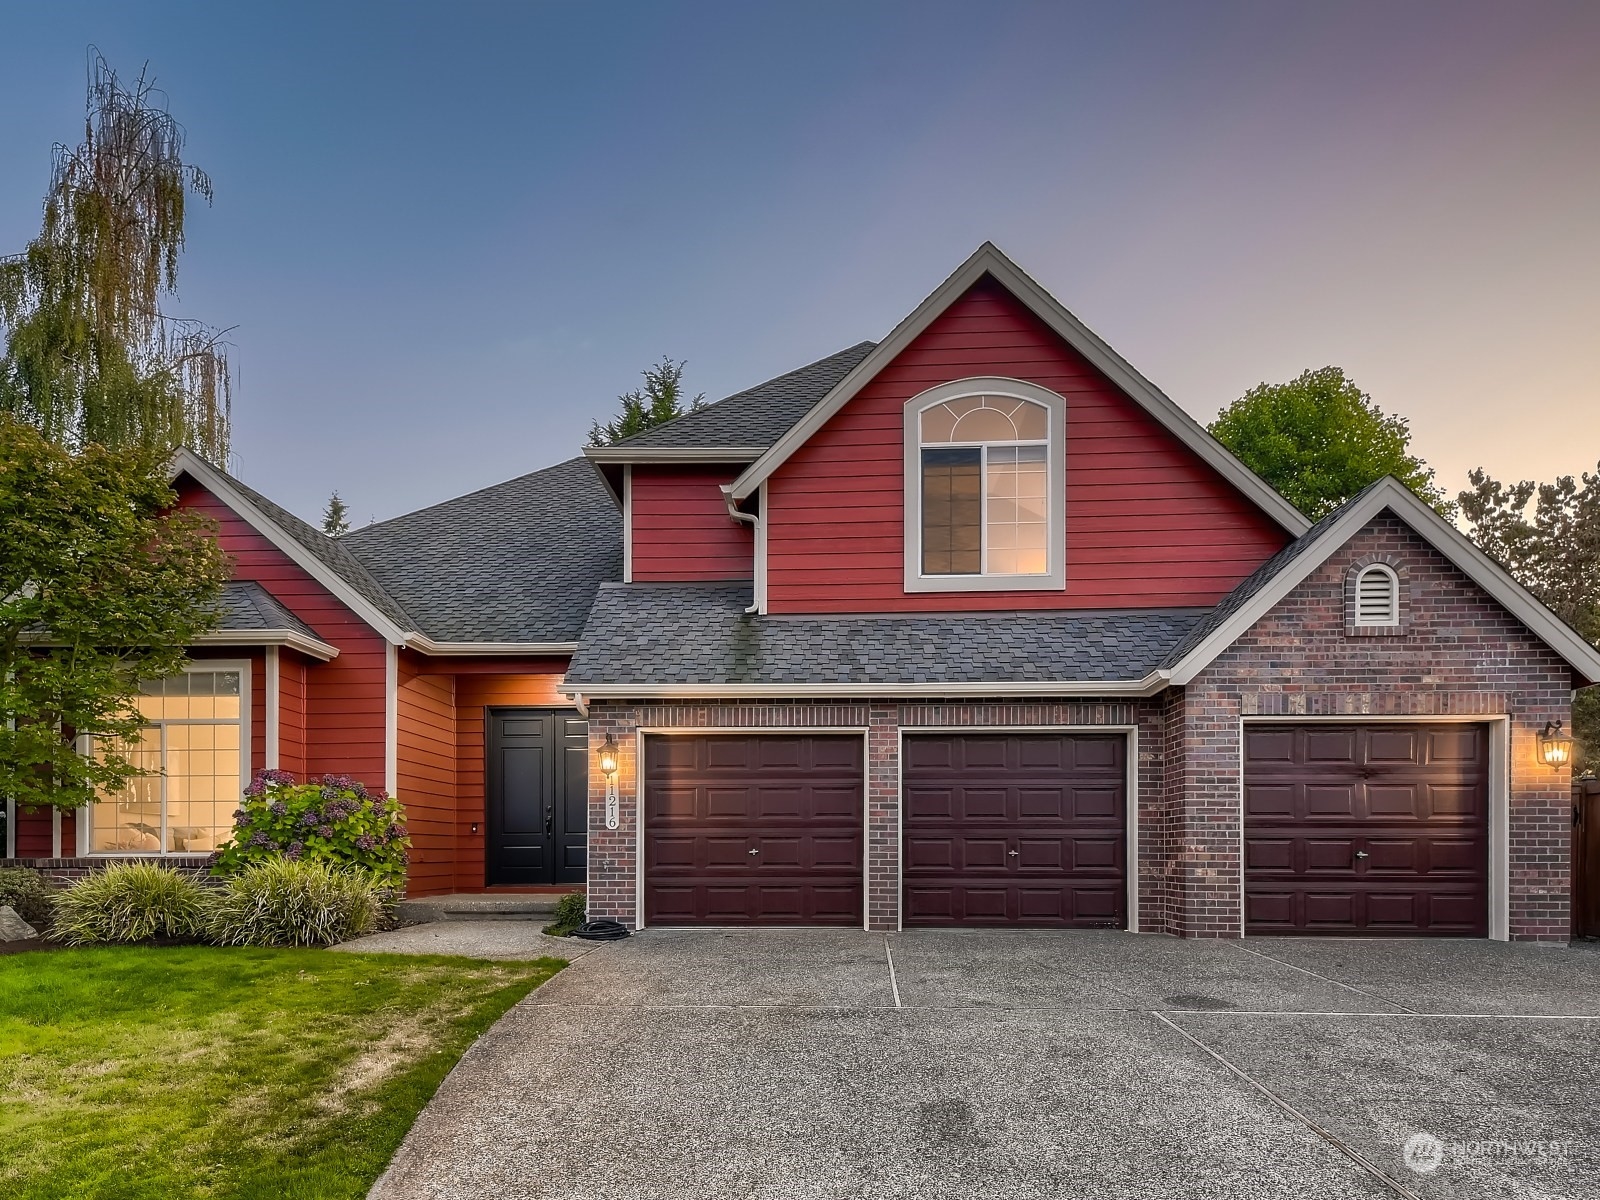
(256, 559)
(1148, 522)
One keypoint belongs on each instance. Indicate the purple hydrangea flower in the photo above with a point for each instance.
(260, 839)
(278, 808)
(325, 831)
(309, 817)
(365, 841)
(295, 850)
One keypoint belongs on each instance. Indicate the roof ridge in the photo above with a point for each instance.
(746, 391)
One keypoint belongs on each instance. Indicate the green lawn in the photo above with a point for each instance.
(143, 1072)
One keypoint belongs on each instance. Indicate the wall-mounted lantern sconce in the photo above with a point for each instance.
(1555, 747)
(608, 768)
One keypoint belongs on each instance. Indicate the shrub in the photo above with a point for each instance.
(333, 820)
(130, 902)
(289, 902)
(570, 912)
(29, 894)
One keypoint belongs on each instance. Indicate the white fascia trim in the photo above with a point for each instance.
(1444, 537)
(311, 647)
(989, 260)
(1151, 684)
(272, 693)
(186, 462)
(673, 454)
(627, 523)
(391, 719)
(426, 645)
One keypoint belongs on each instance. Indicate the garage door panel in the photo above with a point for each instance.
(1378, 828)
(1032, 833)
(771, 832)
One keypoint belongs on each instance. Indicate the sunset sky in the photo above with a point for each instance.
(448, 235)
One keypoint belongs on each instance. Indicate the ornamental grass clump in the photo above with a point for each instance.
(333, 820)
(289, 902)
(130, 902)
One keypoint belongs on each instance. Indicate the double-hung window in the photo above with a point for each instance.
(984, 483)
(193, 746)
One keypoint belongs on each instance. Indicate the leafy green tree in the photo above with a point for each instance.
(89, 357)
(1320, 439)
(336, 517)
(659, 401)
(102, 583)
(1553, 551)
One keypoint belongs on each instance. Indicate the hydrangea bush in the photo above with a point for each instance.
(333, 820)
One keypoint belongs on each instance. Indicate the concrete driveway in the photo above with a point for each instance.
(792, 1063)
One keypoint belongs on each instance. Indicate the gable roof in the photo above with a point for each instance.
(321, 557)
(743, 425)
(685, 640)
(988, 260)
(1279, 575)
(514, 565)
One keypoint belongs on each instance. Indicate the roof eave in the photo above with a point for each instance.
(673, 454)
(988, 260)
(1149, 685)
(293, 639)
(423, 644)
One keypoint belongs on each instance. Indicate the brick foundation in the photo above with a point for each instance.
(62, 871)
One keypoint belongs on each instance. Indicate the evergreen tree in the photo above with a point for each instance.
(336, 517)
(89, 357)
(659, 401)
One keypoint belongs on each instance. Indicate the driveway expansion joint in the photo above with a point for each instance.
(1327, 979)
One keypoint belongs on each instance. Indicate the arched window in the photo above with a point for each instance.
(1377, 598)
(984, 483)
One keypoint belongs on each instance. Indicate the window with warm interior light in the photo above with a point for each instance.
(193, 746)
(984, 487)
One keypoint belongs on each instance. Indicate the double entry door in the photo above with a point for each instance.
(537, 796)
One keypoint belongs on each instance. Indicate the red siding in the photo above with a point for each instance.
(1148, 523)
(34, 834)
(344, 701)
(681, 526)
(293, 672)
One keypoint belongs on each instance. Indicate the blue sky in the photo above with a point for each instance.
(448, 235)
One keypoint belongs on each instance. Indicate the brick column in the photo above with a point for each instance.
(614, 853)
(883, 818)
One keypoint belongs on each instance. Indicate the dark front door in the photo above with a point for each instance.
(1015, 829)
(747, 829)
(538, 799)
(1369, 829)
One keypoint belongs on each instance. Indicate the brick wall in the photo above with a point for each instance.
(62, 871)
(1457, 652)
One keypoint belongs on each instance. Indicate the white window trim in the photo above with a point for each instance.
(85, 814)
(1054, 577)
(1394, 597)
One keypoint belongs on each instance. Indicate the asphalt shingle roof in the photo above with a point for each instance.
(758, 416)
(516, 562)
(246, 606)
(660, 634)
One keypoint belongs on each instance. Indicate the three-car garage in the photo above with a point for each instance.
(1347, 828)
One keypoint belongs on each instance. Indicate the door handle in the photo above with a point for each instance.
(1011, 853)
(1362, 854)
(755, 852)
(549, 820)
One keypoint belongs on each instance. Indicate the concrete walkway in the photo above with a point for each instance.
(471, 939)
(833, 1063)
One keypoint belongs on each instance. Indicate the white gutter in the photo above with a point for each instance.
(757, 531)
(423, 644)
(309, 646)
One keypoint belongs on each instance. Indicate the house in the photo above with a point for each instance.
(969, 626)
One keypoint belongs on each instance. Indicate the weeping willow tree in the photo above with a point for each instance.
(90, 358)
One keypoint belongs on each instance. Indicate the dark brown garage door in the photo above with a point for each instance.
(753, 829)
(1370, 829)
(1015, 829)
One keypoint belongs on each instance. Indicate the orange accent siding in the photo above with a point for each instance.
(534, 687)
(681, 526)
(426, 774)
(1148, 524)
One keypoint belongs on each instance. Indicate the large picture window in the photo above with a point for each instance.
(983, 487)
(193, 744)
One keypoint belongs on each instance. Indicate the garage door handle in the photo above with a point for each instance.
(755, 852)
(1362, 854)
(1012, 853)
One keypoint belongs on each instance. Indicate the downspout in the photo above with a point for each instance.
(757, 565)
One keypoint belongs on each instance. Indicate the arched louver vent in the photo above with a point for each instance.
(1377, 597)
